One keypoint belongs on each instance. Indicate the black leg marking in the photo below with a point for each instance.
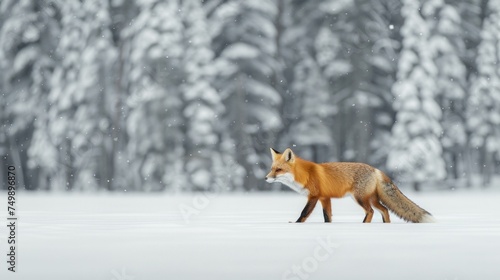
(325, 215)
(307, 210)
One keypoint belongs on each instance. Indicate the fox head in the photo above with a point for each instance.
(282, 165)
(282, 170)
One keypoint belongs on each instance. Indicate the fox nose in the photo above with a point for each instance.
(266, 178)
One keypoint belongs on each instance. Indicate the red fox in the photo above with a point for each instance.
(366, 184)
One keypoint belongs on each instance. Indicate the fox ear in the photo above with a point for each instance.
(274, 153)
(289, 155)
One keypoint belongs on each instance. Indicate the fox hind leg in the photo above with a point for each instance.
(327, 208)
(383, 210)
(368, 209)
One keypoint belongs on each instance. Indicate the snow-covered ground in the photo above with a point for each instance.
(247, 236)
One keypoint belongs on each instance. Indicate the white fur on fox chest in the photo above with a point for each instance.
(289, 180)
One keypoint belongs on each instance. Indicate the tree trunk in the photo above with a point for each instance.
(488, 168)
(454, 162)
(17, 162)
(416, 186)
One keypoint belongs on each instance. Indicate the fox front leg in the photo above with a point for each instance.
(327, 209)
(311, 203)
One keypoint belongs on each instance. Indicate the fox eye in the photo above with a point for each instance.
(279, 169)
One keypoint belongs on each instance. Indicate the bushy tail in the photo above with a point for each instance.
(402, 206)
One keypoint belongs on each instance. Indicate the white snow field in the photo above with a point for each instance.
(248, 236)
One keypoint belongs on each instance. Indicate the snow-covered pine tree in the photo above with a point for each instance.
(298, 32)
(380, 21)
(154, 72)
(307, 108)
(471, 20)
(202, 105)
(447, 40)
(472, 15)
(79, 124)
(245, 49)
(354, 46)
(28, 35)
(483, 106)
(122, 14)
(366, 32)
(333, 50)
(416, 152)
(311, 129)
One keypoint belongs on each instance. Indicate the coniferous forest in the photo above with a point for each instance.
(189, 95)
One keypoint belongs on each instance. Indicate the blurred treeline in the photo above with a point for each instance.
(188, 95)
